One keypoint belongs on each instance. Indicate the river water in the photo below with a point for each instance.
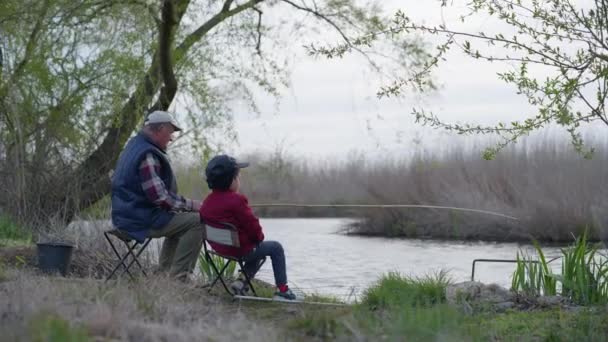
(322, 260)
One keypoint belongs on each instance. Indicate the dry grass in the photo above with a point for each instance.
(158, 309)
(46, 308)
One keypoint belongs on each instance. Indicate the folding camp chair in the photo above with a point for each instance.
(225, 234)
(134, 250)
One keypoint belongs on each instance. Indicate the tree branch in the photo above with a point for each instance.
(226, 6)
(321, 16)
(195, 36)
(259, 31)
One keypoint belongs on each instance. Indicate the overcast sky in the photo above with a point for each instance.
(331, 109)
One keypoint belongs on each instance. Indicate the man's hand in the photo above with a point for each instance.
(196, 205)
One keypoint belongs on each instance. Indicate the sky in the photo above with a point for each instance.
(331, 110)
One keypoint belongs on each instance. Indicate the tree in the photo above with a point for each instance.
(568, 40)
(77, 78)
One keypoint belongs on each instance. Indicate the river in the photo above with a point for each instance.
(322, 260)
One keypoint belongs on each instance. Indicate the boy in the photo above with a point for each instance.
(226, 204)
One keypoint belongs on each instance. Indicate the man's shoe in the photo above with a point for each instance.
(239, 287)
(287, 295)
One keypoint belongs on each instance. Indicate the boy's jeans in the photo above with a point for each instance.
(274, 250)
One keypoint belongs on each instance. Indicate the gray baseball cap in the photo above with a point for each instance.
(160, 116)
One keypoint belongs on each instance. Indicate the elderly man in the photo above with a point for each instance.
(145, 202)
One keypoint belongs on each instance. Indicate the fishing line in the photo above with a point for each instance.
(296, 205)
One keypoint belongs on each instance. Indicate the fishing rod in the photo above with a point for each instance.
(297, 205)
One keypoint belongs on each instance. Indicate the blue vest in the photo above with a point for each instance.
(132, 211)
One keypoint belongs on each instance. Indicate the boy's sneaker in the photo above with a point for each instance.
(239, 287)
(287, 295)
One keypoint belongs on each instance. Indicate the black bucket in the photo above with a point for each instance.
(54, 257)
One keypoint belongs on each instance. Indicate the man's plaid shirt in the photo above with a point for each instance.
(155, 189)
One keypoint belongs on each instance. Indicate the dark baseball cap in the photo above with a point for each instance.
(220, 171)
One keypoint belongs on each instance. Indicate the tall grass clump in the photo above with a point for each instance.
(206, 269)
(533, 277)
(584, 275)
(583, 278)
(396, 290)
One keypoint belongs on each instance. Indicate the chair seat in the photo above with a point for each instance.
(134, 249)
(224, 234)
(120, 234)
(229, 257)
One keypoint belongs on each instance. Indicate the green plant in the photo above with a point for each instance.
(584, 276)
(52, 328)
(321, 298)
(584, 273)
(263, 289)
(533, 277)
(207, 271)
(394, 289)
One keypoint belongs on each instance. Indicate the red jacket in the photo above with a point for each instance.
(232, 207)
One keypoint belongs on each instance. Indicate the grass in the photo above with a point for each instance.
(40, 308)
(400, 307)
(395, 289)
(51, 327)
(533, 277)
(35, 307)
(397, 307)
(207, 271)
(549, 325)
(583, 278)
(584, 275)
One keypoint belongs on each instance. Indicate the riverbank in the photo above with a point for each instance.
(36, 307)
(341, 269)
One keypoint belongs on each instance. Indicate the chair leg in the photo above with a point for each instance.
(121, 262)
(219, 274)
(247, 279)
(134, 257)
(122, 259)
(141, 249)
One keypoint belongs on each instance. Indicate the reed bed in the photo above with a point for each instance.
(552, 190)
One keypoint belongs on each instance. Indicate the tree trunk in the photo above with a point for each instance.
(90, 181)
